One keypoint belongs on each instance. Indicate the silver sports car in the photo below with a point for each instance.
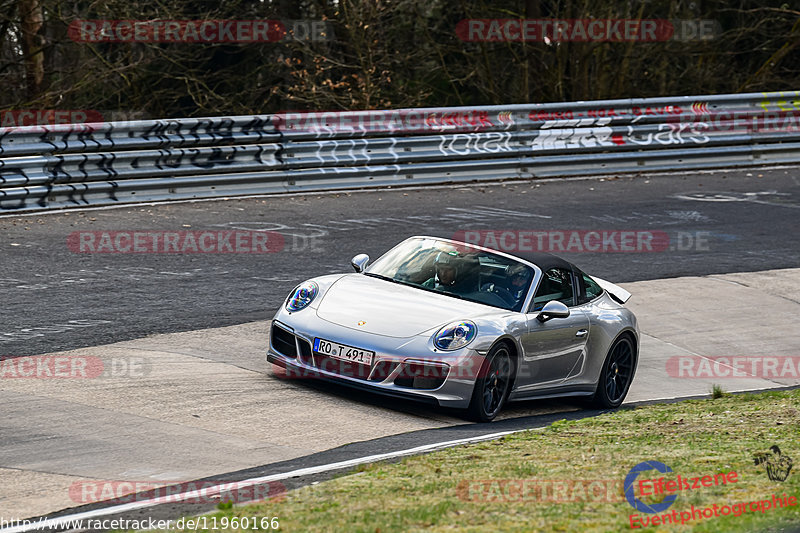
(461, 326)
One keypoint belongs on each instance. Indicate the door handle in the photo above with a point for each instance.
(582, 332)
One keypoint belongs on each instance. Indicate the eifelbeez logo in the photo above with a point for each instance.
(777, 464)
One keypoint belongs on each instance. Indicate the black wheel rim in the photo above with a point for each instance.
(618, 373)
(497, 381)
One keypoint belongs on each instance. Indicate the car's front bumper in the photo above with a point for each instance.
(402, 368)
(336, 378)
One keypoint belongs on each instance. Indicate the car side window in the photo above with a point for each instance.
(589, 288)
(556, 284)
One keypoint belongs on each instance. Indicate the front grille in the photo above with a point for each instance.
(382, 370)
(287, 344)
(421, 376)
(305, 351)
(283, 341)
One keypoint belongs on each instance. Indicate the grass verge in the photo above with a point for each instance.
(569, 476)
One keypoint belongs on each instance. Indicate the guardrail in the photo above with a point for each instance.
(43, 167)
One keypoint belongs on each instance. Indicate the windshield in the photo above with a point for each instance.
(457, 271)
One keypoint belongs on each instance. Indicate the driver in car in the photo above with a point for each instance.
(446, 273)
(515, 285)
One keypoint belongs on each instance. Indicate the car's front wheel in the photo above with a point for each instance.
(616, 375)
(492, 385)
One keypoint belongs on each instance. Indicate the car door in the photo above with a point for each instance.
(554, 348)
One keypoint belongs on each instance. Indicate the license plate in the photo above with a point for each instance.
(343, 352)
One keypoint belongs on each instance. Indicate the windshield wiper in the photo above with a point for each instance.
(380, 276)
(454, 295)
(394, 280)
(435, 291)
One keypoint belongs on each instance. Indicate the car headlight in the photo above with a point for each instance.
(456, 335)
(301, 296)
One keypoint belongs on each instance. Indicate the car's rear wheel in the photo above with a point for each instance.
(492, 384)
(616, 375)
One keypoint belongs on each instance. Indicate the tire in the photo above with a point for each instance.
(493, 384)
(616, 375)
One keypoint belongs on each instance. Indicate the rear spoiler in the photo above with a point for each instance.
(616, 292)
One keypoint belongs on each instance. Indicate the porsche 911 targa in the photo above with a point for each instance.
(461, 326)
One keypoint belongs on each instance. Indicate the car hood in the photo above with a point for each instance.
(384, 308)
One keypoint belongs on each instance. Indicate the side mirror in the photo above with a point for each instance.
(553, 309)
(359, 262)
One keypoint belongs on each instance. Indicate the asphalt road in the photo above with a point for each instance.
(56, 299)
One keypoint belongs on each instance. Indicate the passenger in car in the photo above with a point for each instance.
(518, 277)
